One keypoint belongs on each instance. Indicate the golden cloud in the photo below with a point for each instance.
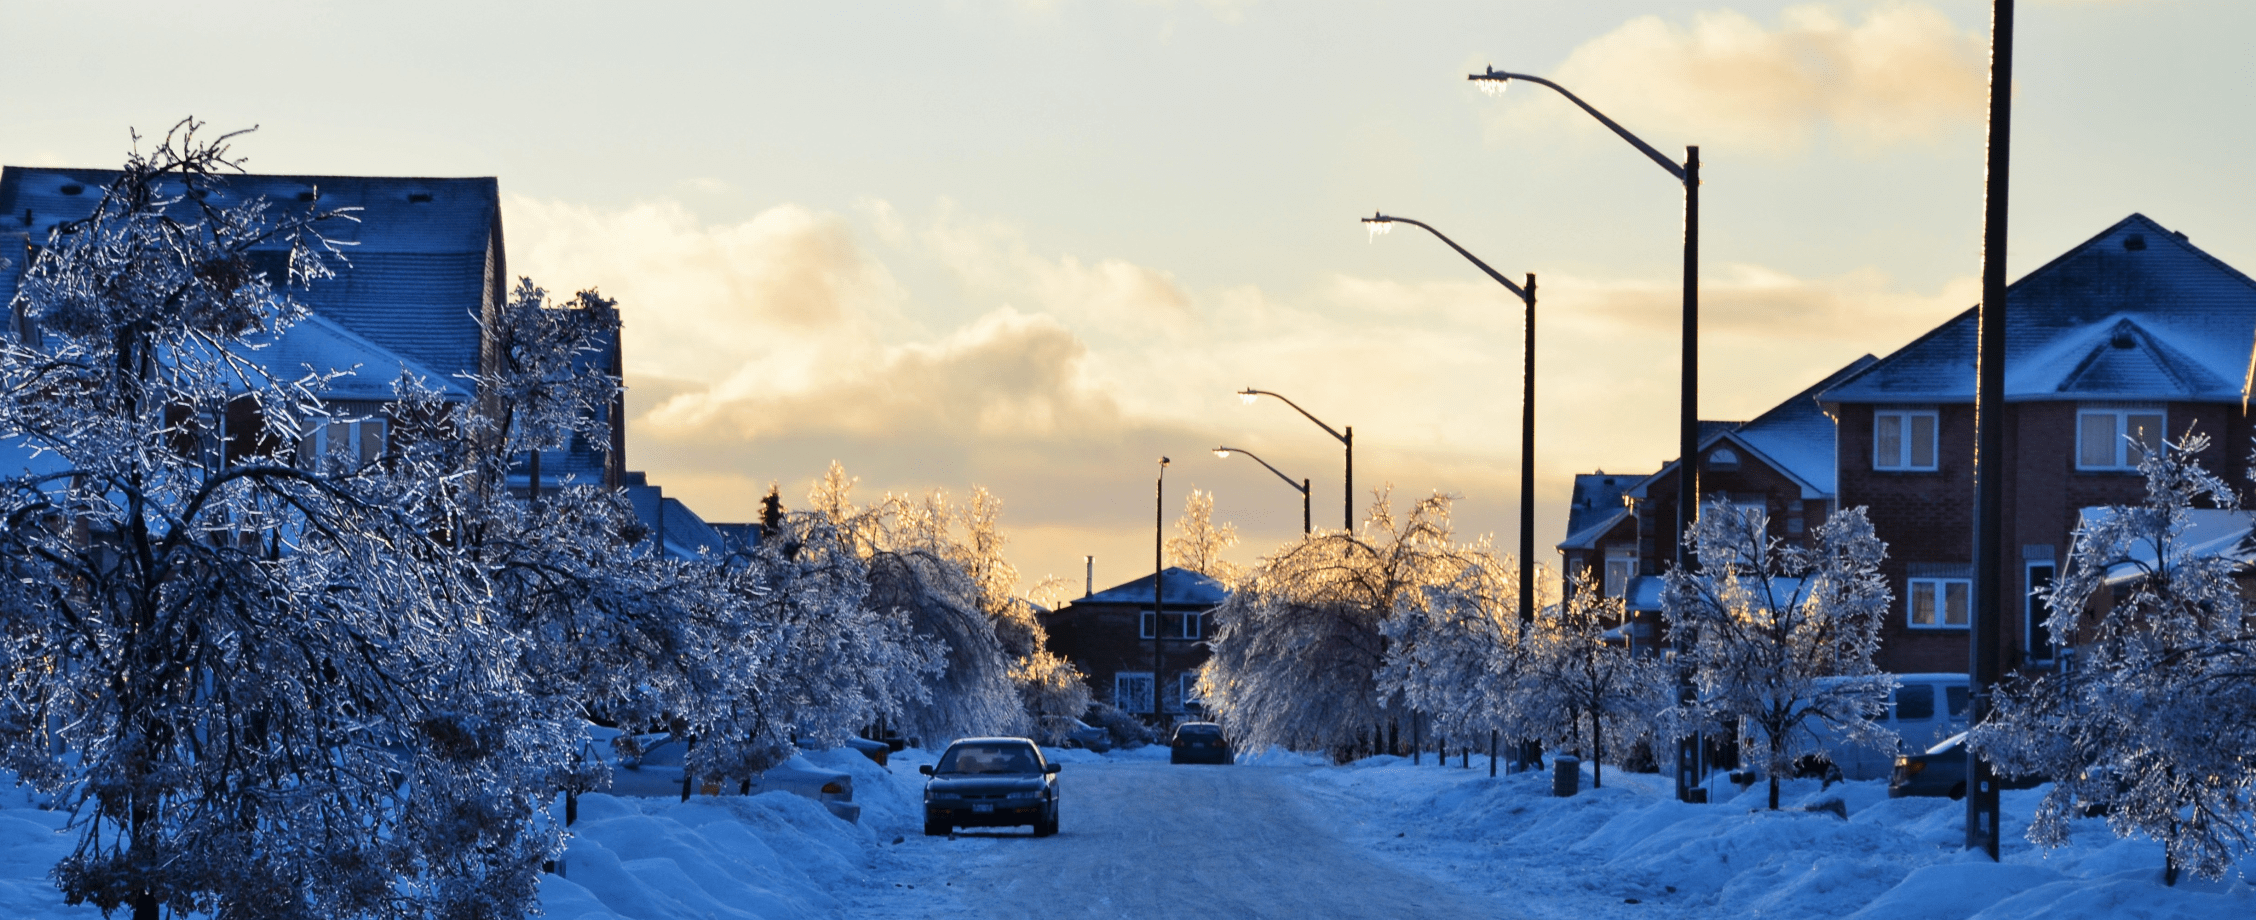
(1902, 74)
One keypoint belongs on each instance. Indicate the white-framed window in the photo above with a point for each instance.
(1904, 439)
(339, 446)
(1621, 566)
(1179, 625)
(1132, 691)
(1183, 687)
(2115, 437)
(1940, 603)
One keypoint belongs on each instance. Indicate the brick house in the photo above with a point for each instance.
(1622, 528)
(1109, 635)
(2133, 336)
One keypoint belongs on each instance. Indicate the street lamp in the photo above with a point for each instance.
(1688, 422)
(1527, 407)
(1159, 574)
(1302, 486)
(1347, 518)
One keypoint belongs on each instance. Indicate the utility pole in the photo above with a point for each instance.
(1986, 642)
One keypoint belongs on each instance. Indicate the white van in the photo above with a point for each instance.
(1923, 710)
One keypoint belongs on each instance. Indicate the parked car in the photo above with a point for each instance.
(1941, 771)
(991, 782)
(1084, 735)
(1923, 710)
(1198, 742)
(651, 765)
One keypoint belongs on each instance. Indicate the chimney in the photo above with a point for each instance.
(1089, 575)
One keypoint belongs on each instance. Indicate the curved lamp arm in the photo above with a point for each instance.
(1249, 391)
(1635, 141)
(1225, 452)
(1500, 279)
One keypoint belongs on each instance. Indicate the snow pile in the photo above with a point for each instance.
(1630, 849)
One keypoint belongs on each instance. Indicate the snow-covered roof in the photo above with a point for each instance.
(1794, 437)
(423, 248)
(1182, 587)
(1596, 506)
(2209, 533)
(2135, 313)
(683, 534)
(316, 345)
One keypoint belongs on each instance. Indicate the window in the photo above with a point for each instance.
(337, 447)
(1940, 603)
(1183, 687)
(1723, 458)
(1179, 625)
(2115, 438)
(1621, 566)
(1903, 439)
(1957, 697)
(2039, 635)
(1132, 691)
(1915, 702)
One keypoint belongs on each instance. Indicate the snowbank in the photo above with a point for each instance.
(1631, 849)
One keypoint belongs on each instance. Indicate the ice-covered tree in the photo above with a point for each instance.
(262, 686)
(1582, 688)
(2153, 723)
(1198, 543)
(1782, 636)
(1454, 643)
(1299, 644)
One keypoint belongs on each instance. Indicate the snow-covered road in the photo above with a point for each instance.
(1146, 839)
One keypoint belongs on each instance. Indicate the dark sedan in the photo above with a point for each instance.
(1198, 742)
(1941, 771)
(991, 782)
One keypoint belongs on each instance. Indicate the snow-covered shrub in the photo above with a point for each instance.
(2156, 721)
(1781, 636)
(1054, 692)
(1126, 729)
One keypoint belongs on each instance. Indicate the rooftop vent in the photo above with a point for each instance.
(2135, 242)
(2182, 238)
(306, 195)
(2123, 339)
(419, 197)
(73, 189)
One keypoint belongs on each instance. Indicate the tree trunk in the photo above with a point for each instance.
(1597, 752)
(1777, 748)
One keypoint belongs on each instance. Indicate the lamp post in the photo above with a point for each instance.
(1347, 518)
(1302, 486)
(1688, 422)
(1526, 294)
(1159, 574)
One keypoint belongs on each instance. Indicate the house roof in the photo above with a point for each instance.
(316, 345)
(1596, 507)
(2224, 533)
(1182, 587)
(420, 252)
(1794, 437)
(679, 530)
(2134, 313)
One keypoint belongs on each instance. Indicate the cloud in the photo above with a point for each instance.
(1901, 74)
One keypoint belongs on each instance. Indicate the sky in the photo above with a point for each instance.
(1034, 245)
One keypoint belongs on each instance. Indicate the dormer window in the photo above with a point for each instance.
(1904, 439)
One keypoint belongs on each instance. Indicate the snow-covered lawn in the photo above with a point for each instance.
(1628, 850)
(1631, 850)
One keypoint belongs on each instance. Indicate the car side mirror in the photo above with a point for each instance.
(925, 769)
(1053, 768)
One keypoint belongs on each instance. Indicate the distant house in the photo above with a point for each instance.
(1109, 635)
(2132, 336)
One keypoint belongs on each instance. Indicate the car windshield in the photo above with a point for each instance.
(1199, 731)
(989, 758)
(1949, 745)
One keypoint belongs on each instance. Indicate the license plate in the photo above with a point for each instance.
(983, 808)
